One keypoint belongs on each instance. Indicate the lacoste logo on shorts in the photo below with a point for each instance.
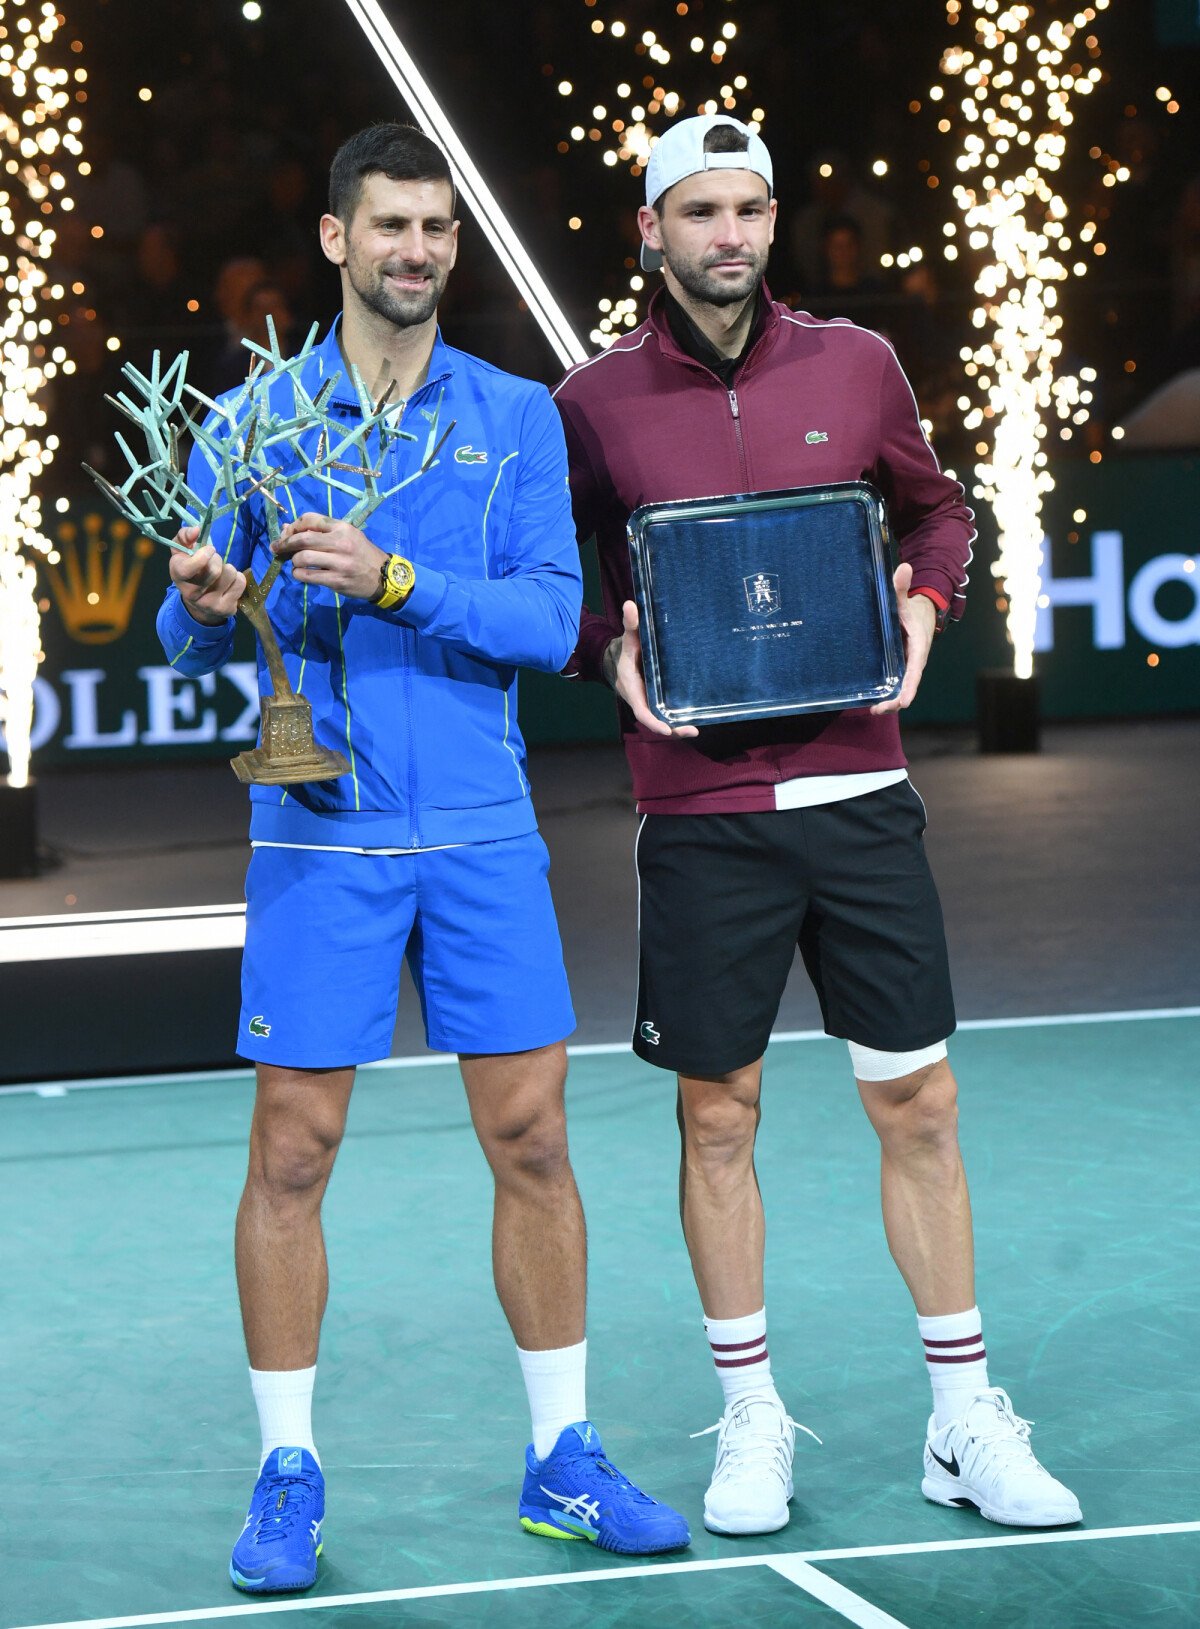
(468, 455)
(648, 1032)
(814, 436)
(257, 1027)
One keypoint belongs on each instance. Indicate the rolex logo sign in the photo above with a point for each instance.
(96, 582)
(104, 691)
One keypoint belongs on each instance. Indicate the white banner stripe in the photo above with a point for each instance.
(147, 913)
(432, 118)
(103, 942)
(598, 1575)
(73, 935)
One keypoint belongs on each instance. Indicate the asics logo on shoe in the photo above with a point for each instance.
(950, 1465)
(288, 1461)
(582, 1508)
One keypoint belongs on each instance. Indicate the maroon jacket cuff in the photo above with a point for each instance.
(595, 636)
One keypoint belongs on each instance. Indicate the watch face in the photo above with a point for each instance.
(399, 574)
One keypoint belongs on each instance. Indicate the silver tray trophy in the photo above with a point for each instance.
(765, 604)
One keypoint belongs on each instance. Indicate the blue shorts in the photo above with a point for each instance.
(326, 933)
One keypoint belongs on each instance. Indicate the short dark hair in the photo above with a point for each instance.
(722, 138)
(399, 151)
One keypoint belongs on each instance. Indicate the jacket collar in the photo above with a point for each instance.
(327, 361)
(767, 319)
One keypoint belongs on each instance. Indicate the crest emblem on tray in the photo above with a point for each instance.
(763, 598)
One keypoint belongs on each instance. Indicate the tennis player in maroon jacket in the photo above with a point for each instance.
(797, 832)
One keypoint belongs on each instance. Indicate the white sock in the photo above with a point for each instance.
(283, 1398)
(956, 1360)
(556, 1385)
(739, 1349)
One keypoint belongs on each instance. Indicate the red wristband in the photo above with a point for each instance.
(931, 594)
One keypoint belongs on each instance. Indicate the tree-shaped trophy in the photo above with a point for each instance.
(258, 440)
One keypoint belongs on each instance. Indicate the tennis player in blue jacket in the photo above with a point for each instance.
(406, 636)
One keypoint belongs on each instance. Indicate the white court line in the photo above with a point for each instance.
(189, 1077)
(597, 1049)
(592, 1575)
(827, 1590)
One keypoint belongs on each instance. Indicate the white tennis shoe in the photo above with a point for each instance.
(984, 1459)
(752, 1480)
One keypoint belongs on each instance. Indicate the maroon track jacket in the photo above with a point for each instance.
(645, 423)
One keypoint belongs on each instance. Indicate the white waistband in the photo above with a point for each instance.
(808, 790)
(337, 848)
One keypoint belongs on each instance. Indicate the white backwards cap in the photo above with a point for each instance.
(679, 152)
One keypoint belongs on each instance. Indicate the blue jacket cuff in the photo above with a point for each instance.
(180, 622)
(425, 601)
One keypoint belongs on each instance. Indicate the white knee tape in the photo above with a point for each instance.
(872, 1065)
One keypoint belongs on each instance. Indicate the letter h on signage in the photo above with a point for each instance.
(1104, 591)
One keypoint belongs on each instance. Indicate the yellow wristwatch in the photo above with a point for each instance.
(396, 580)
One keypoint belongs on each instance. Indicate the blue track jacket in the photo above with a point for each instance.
(421, 699)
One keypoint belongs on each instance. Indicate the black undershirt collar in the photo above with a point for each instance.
(693, 341)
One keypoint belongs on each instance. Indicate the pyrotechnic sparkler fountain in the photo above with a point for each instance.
(1015, 84)
(621, 128)
(37, 138)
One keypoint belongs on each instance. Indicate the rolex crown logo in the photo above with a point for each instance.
(95, 585)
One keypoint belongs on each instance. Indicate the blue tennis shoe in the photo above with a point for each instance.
(574, 1493)
(281, 1540)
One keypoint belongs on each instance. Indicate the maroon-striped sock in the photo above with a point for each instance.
(956, 1360)
(739, 1349)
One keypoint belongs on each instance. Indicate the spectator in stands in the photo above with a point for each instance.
(833, 191)
(844, 286)
(261, 300)
(234, 281)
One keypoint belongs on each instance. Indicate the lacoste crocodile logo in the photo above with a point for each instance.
(468, 455)
(814, 436)
(257, 1027)
(648, 1033)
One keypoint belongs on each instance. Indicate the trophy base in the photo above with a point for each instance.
(262, 770)
(288, 754)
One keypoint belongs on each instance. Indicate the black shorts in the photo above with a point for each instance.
(726, 898)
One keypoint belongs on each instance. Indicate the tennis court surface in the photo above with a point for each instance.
(130, 1445)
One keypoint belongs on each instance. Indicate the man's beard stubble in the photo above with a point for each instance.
(400, 311)
(701, 284)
